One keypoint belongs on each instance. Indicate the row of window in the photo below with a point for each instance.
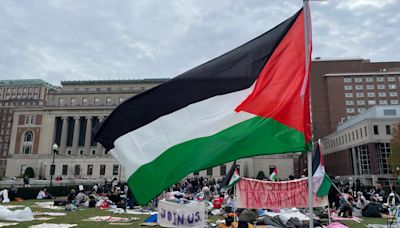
(85, 101)
(370, 87)
(370, 94)
(89, 170)
(110, 89)
(371, 102)
(354, 135)
(6, 104)
(370, 79)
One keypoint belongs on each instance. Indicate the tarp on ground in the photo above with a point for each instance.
(17, 215)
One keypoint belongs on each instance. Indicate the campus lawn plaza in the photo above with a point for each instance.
(78, 217)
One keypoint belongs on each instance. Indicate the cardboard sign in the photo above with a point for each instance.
(257, 194)
(181, 215)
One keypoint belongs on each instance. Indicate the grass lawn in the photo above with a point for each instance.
(76, 217)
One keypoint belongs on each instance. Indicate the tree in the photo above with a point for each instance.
(260, 175)
(29, 172)
(394, 158)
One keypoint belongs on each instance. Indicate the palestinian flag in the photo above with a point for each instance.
(274, 175)
(321, 181)
(231, 178)
(253, 100)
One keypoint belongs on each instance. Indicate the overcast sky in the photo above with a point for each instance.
(88, 40)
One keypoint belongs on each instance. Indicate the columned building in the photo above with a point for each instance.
(68, 120)
(360, 147)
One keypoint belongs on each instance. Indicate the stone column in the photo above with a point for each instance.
(75, 138)
(99, 147)
(64, 130)
(88, 135)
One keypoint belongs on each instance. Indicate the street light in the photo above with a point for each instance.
(53, 167)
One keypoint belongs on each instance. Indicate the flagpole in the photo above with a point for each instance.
(309, 153)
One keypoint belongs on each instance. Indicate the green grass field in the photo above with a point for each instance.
(76, 217)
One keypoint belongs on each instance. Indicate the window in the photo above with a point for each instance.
(61, 102)
(381, 94)
(376, 132)
(380, 79)
(30, 119)
(369, 79)
(28, 136)
(361, 102)
(27, 143)
(383, 102)
(77, 170)
(394, 102)
(93, 152)
(108, 101)
(365, 131)
(360, 94)
(196, 173)
(64, 170)
(97, 89)
(389, 112)
(89, 170)
(347, 87)
(73, 102)
(96, 101)
(349, 102)
(388, 130)
(84, 102)
(371, 102)
(108, 88)
(371, 94)
(393, 94)
(347, 79)
(120, 100)
(391, 79)
(102, 170)
(115, 169)
(370, 87)
(383, 153)
(358, 79)
(209, 172)
(359, 87)
(348, 95)
(391, 86)
(381, 86)
(350, 110)
(222, 170)
(27, 149)
(361, 110)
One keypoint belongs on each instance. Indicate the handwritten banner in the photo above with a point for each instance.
(181, 215)
(256, 194)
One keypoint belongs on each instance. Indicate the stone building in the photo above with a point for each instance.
(16, 94)
(68, 120)
(360, 147)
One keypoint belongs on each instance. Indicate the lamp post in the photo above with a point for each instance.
(53, 167)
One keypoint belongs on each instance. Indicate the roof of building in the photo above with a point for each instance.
(378, 111)
(26, 82)
(117, 81)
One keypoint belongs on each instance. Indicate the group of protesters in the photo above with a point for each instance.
(354, 199)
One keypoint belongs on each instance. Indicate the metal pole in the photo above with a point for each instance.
(52, 167)
(309, 153)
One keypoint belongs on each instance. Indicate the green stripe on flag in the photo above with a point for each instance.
(325, 186)
(246, 139)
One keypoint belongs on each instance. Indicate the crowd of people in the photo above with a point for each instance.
(355, 199)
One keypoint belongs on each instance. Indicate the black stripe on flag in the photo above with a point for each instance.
(316, 159)
(233, 71)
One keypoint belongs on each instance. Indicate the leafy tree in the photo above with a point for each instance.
(260, 175)
(29, 172)
(394, 158)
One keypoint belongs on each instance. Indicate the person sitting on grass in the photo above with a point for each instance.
(43, 194)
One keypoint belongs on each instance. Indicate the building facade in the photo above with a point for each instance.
(69, 118)
(360, 147)
(342, 88)
(15, 94)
